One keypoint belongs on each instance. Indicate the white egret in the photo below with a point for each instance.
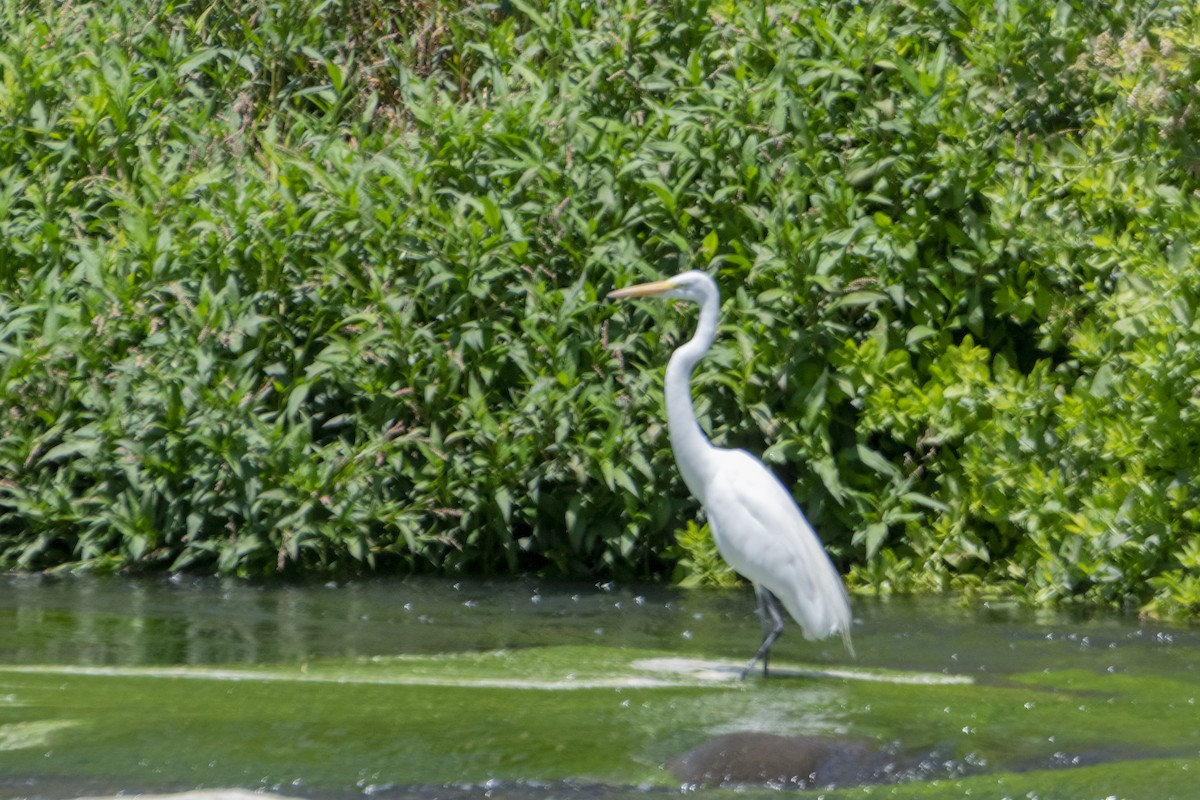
(757, 526)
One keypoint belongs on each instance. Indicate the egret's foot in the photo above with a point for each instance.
(759, 656)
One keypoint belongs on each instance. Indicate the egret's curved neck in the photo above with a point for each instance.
(692, 448)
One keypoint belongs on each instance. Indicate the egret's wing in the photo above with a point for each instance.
(761, 532)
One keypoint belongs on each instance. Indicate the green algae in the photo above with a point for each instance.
(579, 713)
(327, 690)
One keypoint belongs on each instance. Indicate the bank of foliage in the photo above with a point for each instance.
(300, 285)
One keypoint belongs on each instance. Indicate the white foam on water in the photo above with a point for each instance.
(235, 675)
(663, 673)
(716, 671)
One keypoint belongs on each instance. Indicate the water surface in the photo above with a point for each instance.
(422, 687)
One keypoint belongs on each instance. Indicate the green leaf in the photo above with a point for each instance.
(827, 471)
(927, 502)
(73, 447)
(197, 60)
(862, 297)
(872, 537)
(1102, 381)
(917, 334)
(876, 462)
(504, 502)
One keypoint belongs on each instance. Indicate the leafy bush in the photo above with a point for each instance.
(302, 286)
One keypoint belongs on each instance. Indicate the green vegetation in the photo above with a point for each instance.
(318, 286)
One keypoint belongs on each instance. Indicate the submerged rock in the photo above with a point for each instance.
(811, 762)
(804, 762)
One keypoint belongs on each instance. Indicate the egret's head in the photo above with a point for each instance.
(693, 286)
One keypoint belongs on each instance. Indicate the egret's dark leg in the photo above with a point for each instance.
(772, 624)
(764, 598)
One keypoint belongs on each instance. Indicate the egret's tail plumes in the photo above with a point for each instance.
(818, 601)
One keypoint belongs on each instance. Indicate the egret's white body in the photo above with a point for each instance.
(758, 528)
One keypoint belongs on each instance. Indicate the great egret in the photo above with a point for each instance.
(756, 524)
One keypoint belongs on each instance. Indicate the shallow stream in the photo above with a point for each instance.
(440, 688)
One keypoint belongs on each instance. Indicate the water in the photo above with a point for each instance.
(440, 688)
